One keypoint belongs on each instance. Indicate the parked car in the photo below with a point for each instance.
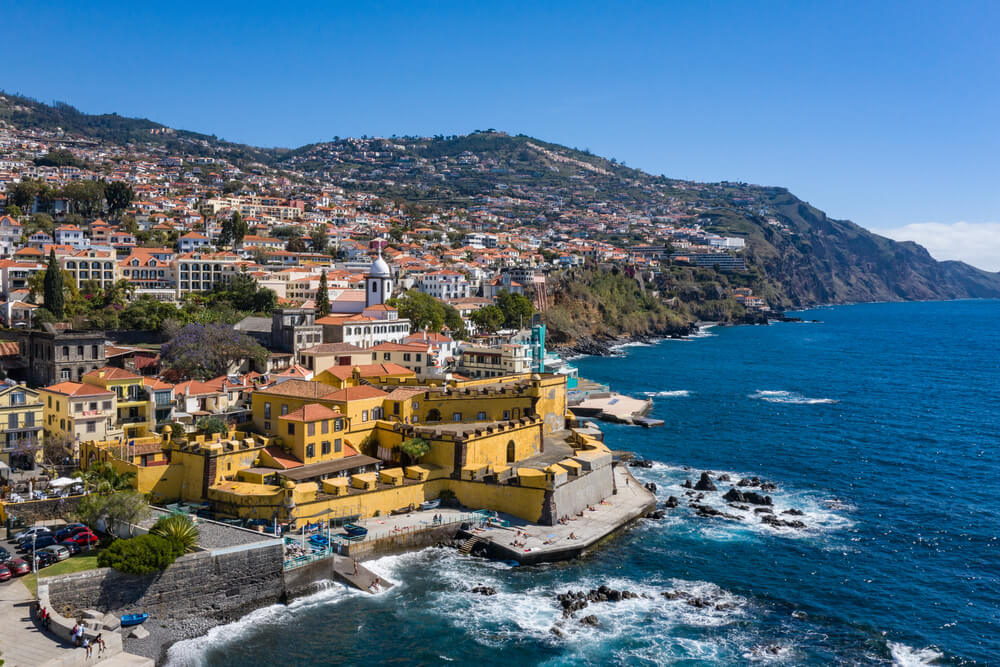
(85, 539)
(18, 566)
(40, 543)
(58, 551)
(4, 555)
(72, 547)
(69, 531)
(5, 573)
(45, 558)
(27, 533)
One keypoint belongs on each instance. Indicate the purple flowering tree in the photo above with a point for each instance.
(205, 351)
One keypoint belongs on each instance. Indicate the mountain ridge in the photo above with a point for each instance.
(812, 258)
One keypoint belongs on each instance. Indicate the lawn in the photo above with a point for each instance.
(77, 563)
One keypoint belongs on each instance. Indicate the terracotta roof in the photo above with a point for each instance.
(332, 348)
(78, 389)
(282, 458)
(112, 373)
(310, 413)
(369, 370)
(298, 388)
(361, 393)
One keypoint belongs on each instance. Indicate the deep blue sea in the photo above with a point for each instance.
(881, 422)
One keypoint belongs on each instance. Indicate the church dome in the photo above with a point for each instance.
(379, 269)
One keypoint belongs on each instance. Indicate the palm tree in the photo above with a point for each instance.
(178, 529)
(103, 478)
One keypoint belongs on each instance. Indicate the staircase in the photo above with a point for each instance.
(466, 547)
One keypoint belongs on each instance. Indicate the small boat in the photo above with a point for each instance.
(402, 510)
(355, 530)
(133, 619)
(430, 504)
(319, 541)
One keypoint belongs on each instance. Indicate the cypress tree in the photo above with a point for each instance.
(53, 285)
(322, 296)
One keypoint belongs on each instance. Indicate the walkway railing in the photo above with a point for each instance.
(478, 518)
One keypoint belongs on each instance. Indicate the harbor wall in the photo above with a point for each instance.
(574, 497)
(225, 583)
(401, 542)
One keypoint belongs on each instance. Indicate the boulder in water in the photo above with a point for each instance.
(705, 483)
(794, 512)
(590, 620)
(752, 497)
(687, 484)
(671, 502)
(485, 590)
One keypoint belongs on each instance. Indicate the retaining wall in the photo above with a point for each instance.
(224, 585)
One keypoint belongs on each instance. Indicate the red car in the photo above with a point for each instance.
(18, 566)
(84, 539)
(5, 573)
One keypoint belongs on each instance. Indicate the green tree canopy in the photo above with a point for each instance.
(53, 285)
(322, 296)
(119, 196)
(488, 319)
(517, 309)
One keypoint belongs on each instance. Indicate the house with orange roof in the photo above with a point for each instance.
(79, 411)
(193, 241)
(10, 235)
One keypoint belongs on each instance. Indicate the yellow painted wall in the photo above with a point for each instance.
(300, 440)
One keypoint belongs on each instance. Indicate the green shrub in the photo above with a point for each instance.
(144, 554)
(179, 529)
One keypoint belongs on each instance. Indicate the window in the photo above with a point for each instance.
(106, 405)
(310, 451)
(284, 409)
(50, 402)
(64, 374)
(91, 427)
(457, 417)
(65, 352)
(311, 429)
(267, 411)
(79, 351)
(17, 398)
(337, 446)
(385, 356)
(326, 426)
(481, 416)
(419, 357)
(406, 356)
(267, 426)
(29, 419)
(93, 351)
(291, 429)
(325, 449)
(12, 421)
(78, 407)
(364, 415)
(338, 424)
(93, 405)
(395, 408)
(506, 414)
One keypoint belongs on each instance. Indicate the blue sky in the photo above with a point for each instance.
(883, 113)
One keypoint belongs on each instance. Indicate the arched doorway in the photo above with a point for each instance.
(434, 415)
(511, 451)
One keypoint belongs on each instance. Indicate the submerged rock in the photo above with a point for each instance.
(671, 502)
(485, 590)
(794, 512)
(687, 484)
(590, 620)
(772, 520)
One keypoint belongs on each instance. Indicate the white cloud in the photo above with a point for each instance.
(977, 243)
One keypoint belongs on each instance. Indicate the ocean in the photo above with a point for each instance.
(879, 423)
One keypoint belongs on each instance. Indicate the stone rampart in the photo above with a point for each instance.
(221, 584)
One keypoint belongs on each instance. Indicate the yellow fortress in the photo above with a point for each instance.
(315, 450)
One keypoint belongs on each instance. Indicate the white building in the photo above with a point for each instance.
(192, 241)
(445, 284)
(71, 235)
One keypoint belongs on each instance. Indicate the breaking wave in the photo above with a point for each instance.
(820, 515)
(790, 397)
(907, 656)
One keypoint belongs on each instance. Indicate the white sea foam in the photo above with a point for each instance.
(907, 656)
(789, 397)
(668, 394)
(821, 515)
(192, 652)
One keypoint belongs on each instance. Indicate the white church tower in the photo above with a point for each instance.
(378, 282)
